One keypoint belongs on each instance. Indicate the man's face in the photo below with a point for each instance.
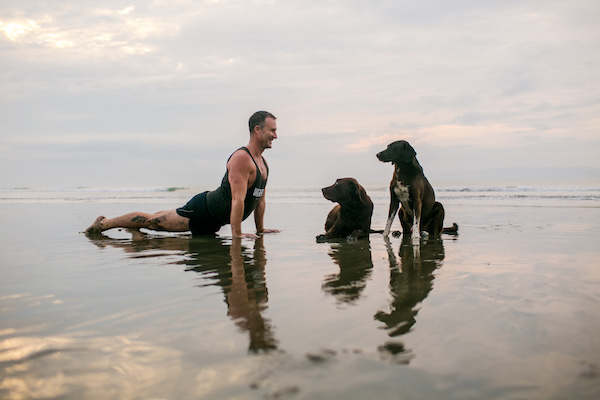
(268, 133)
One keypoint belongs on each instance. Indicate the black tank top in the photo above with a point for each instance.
(219, 201)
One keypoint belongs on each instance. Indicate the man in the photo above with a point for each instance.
(242, 192)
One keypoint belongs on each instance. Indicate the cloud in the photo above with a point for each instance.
(14, 30)
(92, 31)
(126, 10)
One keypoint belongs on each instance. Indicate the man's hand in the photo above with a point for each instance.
(269, 231)
(256, 235)
(246, 236)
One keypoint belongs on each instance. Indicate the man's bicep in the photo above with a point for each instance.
(238, 174)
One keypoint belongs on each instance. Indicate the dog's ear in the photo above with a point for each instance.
(353, 188)
(409, 153)
(360, 192)
(356, 190)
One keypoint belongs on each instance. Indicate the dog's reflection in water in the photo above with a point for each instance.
(411, 280)
(226, 263)
(356, 265)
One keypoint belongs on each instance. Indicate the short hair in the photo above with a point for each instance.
(258, 119)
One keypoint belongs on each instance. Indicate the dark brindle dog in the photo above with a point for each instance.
(409, 187)
(351, 217)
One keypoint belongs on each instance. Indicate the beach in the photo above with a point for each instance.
(507, 309)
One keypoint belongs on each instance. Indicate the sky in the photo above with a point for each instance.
(158, 93)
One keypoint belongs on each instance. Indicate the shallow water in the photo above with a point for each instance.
(509, 309)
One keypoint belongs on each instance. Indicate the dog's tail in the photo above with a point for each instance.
(453, 230)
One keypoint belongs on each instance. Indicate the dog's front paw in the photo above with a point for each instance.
(351, 238)
(357, 234)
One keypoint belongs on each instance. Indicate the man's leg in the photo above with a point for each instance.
(168, 221)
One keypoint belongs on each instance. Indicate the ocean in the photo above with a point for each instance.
(507, 309)
(574, 193)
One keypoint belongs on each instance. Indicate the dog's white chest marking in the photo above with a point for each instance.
(403, 194)
(401, 191)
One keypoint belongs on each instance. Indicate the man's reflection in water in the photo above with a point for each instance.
(356, 266)
(226, 263)
(247, 295)
(410, 282)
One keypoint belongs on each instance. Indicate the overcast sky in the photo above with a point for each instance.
(158, 93)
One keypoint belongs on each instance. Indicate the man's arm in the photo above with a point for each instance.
(259, 215)
(239, 169)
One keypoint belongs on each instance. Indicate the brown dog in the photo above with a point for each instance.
(351, 217)
(409, 187)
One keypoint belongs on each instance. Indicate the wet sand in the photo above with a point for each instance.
(509, 309)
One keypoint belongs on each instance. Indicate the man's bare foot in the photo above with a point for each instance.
(95, 227)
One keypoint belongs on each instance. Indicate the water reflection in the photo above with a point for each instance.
(226, 263)
(247, 295)
(411, 280)
(356, 266)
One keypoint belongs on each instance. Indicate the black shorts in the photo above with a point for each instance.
(201, 222)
